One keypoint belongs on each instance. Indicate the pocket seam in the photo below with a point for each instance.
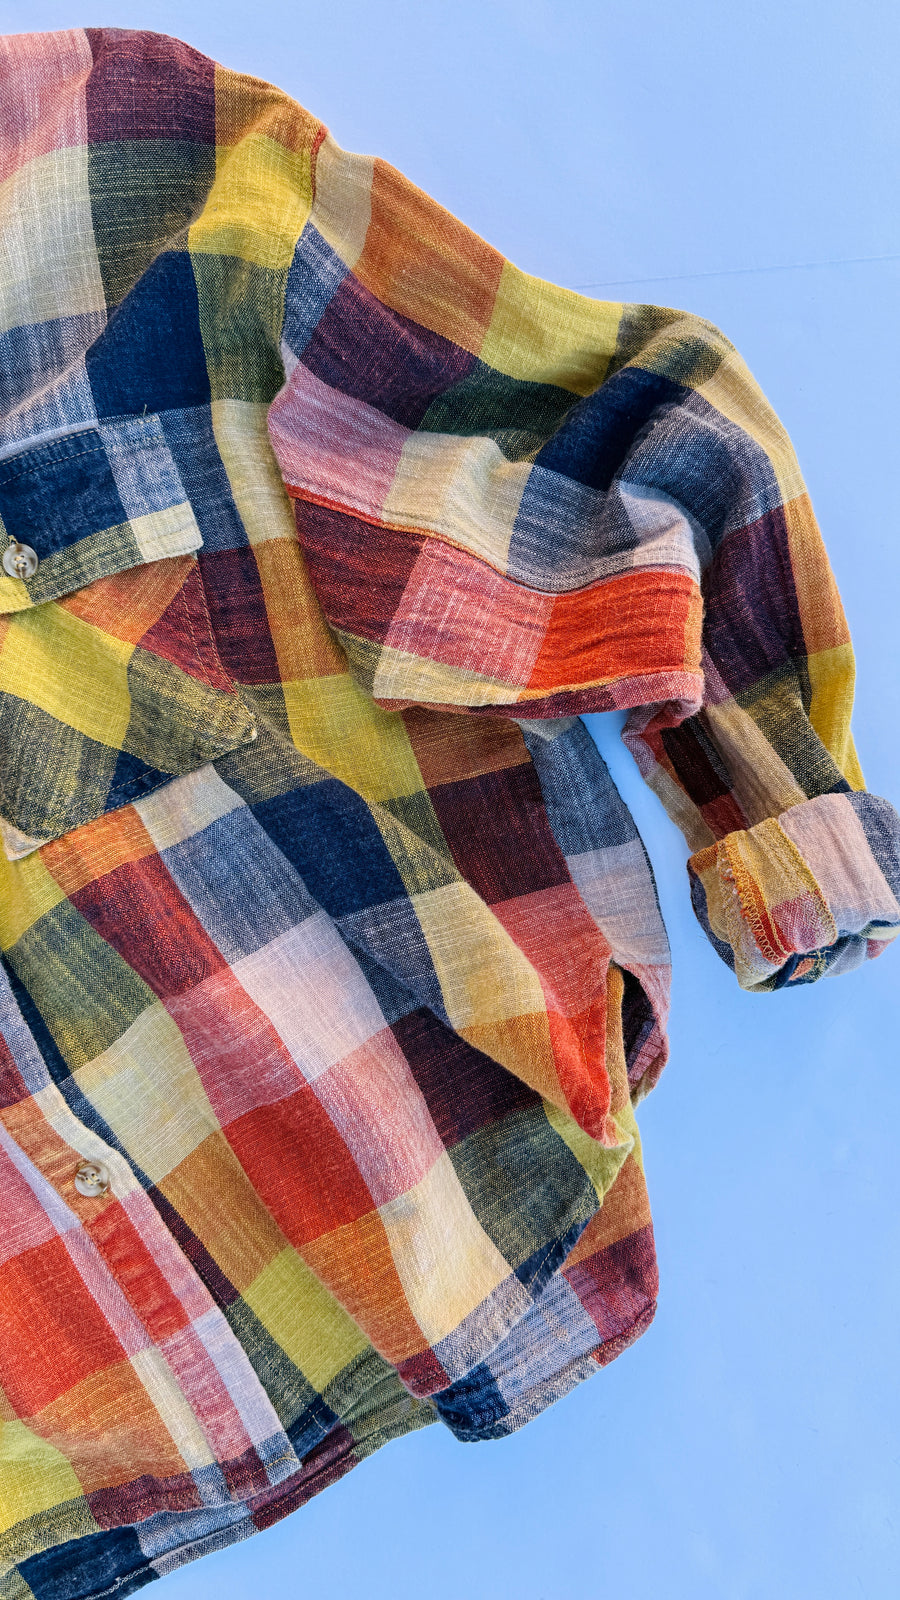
(29, 472)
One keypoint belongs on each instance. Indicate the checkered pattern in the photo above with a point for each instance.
(324, 929)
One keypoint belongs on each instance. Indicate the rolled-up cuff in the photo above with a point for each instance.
(815, 890)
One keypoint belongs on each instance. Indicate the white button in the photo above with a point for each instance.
(91, 1179)
(19, 560)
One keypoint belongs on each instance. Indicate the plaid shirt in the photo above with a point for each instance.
(332, 961)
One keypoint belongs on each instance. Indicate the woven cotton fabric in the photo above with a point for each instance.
(325, 933)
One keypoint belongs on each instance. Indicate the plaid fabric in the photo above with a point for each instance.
(324, 929)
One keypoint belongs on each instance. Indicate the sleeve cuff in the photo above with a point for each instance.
(815, 890)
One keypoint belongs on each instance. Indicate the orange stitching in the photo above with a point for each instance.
(741, 885)
(740, 879)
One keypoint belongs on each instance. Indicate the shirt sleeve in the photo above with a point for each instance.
(517, 500)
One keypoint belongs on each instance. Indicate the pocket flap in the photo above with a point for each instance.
(110, 680)
(90, 503)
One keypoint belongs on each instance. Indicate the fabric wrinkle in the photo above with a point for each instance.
(324, 930)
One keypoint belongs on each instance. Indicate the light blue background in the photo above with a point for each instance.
(747, 1448)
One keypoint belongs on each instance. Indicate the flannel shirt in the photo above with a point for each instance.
(332, 961)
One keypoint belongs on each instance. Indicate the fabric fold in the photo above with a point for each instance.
(330, 944)
(811, 892)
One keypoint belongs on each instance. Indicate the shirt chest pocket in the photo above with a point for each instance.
(107, 692)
